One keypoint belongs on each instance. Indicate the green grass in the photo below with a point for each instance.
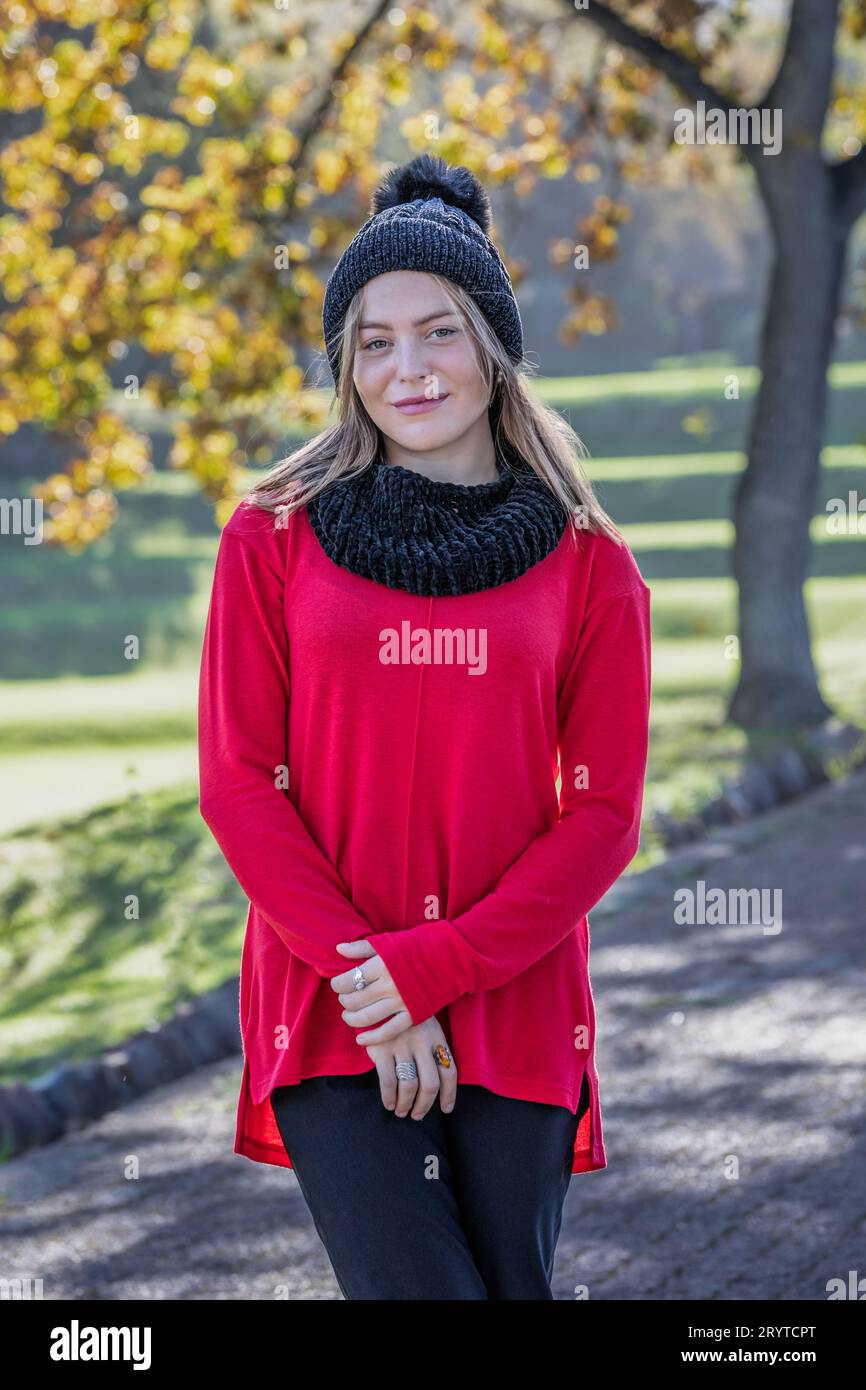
(643, 468)
(81, 727)
(684, 383)
(110, 921)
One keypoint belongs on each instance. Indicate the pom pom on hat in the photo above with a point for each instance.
(428, 176)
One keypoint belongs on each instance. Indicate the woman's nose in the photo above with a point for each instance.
(410, 362)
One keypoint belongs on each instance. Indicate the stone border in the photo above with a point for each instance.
(69, 1096)
(830, 750)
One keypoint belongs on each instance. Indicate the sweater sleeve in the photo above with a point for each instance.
(242, 720)
(602, 721)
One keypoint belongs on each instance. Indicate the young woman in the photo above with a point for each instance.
(419, 622)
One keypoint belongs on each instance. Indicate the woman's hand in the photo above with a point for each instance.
(379, 999)
(416, 1044)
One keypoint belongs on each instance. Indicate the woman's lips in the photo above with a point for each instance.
(420, 406)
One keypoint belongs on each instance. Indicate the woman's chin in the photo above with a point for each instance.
(418, 434)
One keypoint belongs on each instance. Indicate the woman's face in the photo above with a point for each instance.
(412, 347)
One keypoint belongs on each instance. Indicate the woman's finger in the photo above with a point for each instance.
(387, 1031)
(358, 950)
(428, 1084)
(360, 999)
(406, 1089)
(373, 969)
(387, 1082)
(447, 1084)
(371, 1013)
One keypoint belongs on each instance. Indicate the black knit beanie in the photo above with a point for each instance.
(430, 216)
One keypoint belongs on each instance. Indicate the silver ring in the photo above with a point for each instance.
(358, 981)
(407, 1071)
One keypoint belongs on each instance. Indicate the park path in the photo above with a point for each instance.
(716, 1044)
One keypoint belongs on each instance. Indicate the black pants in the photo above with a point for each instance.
(466, 1205)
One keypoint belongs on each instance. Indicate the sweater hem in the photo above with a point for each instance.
(316, 1066)
(261, 1151)
(547, 1095)
(552, 1095)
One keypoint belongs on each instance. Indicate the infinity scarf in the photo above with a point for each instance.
(407, 531)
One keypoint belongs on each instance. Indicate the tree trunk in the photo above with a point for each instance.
(776, 495)
(812, 206)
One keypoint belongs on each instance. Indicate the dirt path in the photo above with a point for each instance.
(731, 1064)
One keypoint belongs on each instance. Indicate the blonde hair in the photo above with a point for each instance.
(519, 423)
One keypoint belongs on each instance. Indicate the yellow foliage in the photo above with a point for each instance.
(329, 168)
(193, 237)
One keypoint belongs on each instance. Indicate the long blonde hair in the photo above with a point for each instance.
(519, 423)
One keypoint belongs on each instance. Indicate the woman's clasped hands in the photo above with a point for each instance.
(397, 1039)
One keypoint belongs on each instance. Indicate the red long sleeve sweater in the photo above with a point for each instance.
(379, 764)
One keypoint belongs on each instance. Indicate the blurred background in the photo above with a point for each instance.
(177, 183)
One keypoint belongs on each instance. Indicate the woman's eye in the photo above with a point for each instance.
(374, 342)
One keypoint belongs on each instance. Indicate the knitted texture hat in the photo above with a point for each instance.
(430, 216)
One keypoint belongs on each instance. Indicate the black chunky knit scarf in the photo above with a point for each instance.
(411, 532)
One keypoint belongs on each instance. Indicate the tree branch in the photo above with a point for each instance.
(320, 110)
(800, 88)
(677, 69)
